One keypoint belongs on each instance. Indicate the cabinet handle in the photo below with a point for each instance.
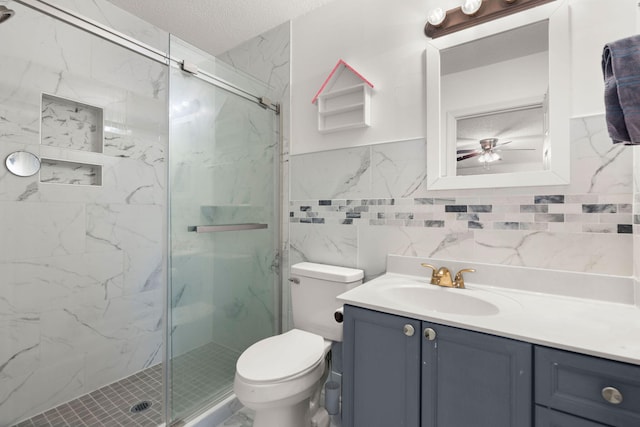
(408, 330)
(612, 395)
(430, 334)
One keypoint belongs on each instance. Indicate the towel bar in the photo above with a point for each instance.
(225, 227)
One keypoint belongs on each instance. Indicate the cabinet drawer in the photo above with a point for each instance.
(549, 418)
(575, 383)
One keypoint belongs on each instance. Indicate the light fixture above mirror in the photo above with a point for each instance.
(500, 90)
(473, 12)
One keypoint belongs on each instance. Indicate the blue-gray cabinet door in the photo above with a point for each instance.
(381, 370)
(474, 379)
(549, 418)
(578, 384)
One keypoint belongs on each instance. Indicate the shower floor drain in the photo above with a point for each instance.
(140, 407)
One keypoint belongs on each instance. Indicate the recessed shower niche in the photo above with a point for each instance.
(70, 126)
(63, 172)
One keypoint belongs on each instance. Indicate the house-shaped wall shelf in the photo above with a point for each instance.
(344, 100)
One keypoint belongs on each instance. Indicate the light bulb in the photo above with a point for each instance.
(488, 157)
(470, 7)
(436, 17)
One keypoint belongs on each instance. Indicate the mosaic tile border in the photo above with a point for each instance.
(580, 213)
(636, 213)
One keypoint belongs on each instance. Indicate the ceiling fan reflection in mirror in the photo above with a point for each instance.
(488, 151)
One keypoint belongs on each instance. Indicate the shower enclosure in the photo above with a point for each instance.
(141, 258)
(224, 228)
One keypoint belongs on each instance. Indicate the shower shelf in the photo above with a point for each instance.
(70, 124)
(70, 173)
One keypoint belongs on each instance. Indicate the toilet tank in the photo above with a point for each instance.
(314, 288)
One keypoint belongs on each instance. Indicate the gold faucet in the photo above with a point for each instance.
(442, 276)
(459, 280)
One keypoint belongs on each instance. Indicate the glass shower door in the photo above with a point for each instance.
(223, 232)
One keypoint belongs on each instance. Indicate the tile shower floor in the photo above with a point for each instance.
(110, 406)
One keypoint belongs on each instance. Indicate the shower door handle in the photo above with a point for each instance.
(225, 227)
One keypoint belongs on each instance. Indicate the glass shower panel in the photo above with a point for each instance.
(223, 171)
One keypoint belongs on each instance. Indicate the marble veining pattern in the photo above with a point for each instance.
(222, 284)
(81, 301)
(398, 169)
(59, 172)
(267, 58)
(108, 14)
(69, 124)
(602, 166)
(585, 226)
(331, 174)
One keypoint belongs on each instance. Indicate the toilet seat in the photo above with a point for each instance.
(281, 357)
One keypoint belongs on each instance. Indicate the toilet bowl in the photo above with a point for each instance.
(277, 377)
(281, 377)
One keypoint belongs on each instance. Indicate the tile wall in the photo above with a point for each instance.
(222, 284)
(353, 206)
(267, 58)
(81, 258)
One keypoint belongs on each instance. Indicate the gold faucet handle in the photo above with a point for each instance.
(444, 277)
(459, 279)
(434, 277)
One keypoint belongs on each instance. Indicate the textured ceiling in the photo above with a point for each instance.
(217, 25)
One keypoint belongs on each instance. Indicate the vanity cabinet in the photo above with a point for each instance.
(381, 369)
(474, 379)
(404, 372)
(546, 417)
(600, 390)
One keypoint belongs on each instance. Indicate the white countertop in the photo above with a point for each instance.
(607, 329)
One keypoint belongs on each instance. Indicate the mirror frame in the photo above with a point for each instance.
(439, 156)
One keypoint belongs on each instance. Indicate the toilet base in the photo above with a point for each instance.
(289, 416)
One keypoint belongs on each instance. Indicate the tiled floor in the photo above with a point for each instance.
(195, 382)
(242, 418)
(110, 406)
(200, 376)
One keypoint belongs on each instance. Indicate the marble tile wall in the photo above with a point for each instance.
(69, 124)
(222, 172)
(82, 266)
(353, 206)
(106, 13)
(69, 173)
(268, 58)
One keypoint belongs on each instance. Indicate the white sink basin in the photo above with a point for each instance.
(438, 299)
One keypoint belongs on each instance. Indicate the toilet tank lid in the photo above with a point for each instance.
(327, 272)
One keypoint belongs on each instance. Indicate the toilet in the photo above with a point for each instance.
(281, 377)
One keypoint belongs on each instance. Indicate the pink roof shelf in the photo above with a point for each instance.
(335, 73)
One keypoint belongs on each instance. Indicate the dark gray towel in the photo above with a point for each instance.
(621, 69)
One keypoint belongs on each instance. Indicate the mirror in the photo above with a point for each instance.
(498, 102)
(23, 163)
